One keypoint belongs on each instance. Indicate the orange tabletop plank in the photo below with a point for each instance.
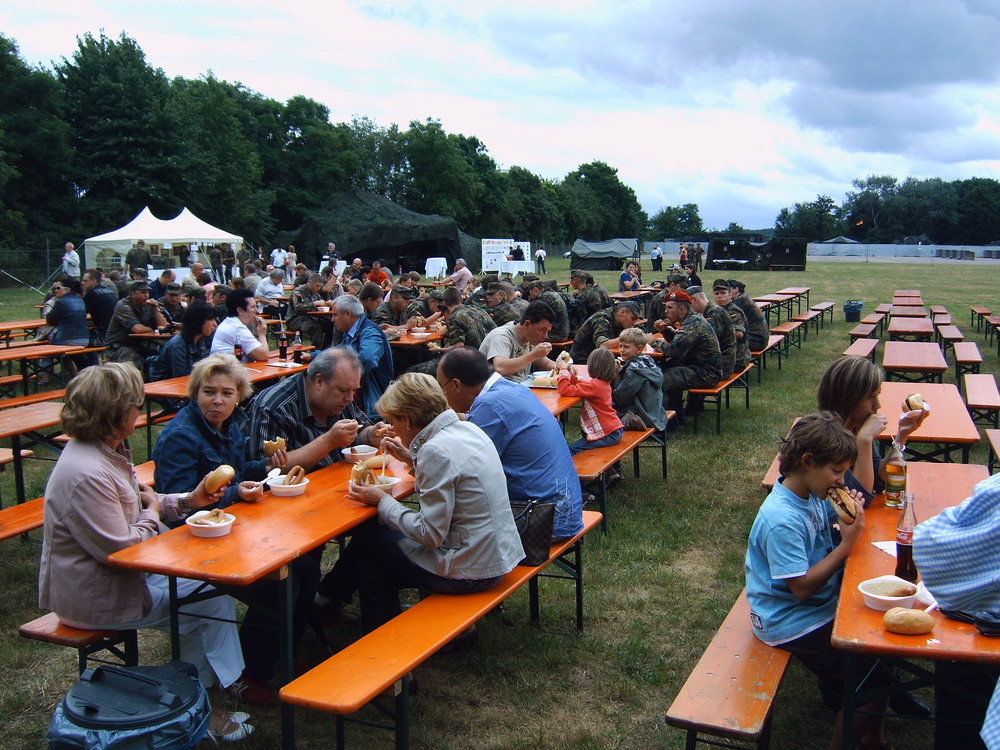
(795, 290)
(908, 301)
(265, 536)
(22, 419)
(858, 628)
(947, 422)
(408, 339)
(907, 311)
(36, 352)
(906, 293)
(913, 356)
(630, 294)
(912, 327)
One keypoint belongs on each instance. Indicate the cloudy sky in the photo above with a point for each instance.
(741, 107)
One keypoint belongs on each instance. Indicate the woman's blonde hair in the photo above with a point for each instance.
(100, 399)
(219, 364)
(413, 395)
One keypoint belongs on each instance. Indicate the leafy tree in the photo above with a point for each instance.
(980, 211)
(492, 213)
(126, 139)
(535, 212)
(929, 207)
(620, 213)
(869, 209)
(440, 179)
(36, 195)
(734, 228)
(811, 221)
(383, 166)
(675, 221)
(582, 213)
(222, 166)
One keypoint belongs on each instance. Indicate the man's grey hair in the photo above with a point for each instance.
(349, 303)
(461, 260)
(326, 363)
(702, 296)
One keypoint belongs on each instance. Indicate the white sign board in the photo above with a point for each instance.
(495, 251)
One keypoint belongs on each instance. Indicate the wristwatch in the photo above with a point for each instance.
(183, 508)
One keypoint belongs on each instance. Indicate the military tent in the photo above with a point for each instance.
(603, 256)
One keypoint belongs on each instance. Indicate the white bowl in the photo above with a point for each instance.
(279, 488)
(418, 329)
(355, 453)
(885, 603)
(323, 309)
(420, 335)
(218, 529)
(386, 481)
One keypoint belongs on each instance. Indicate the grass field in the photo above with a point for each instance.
(658, 585)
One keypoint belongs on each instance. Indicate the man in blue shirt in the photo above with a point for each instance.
(530, 441)
(369, 341)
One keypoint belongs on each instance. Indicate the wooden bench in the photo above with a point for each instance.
(943, 320)
(823, 307)
(939, 310)
(713, 395)
(791, 330)
(592, 465)
(967, 359)
(993, 438)
(948, 336)
(730, 693)
(884, 307)
(978, 313)
(812, 316)
(875, 319)
(773, 347)
(123, 644)
(384, 658)
(862, 331)
(33, 398)
(862, 348)
(982, 399)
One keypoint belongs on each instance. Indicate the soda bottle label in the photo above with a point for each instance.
(904, 536)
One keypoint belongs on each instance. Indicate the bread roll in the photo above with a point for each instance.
(907, 621)
(363, 472)
(273, 446)
(295, 475)
(843, 503)
(218, 478)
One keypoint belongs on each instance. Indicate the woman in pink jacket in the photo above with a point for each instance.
(598, 419)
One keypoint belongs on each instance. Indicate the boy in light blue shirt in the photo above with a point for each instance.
(793, 568)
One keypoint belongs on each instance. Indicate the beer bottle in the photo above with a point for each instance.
(238, 351)
(895, 476)
(297, 349)
(282, 344)
(905, 567)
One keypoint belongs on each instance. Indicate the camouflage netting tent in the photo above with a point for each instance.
(370, 227)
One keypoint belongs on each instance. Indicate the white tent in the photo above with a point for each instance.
(108, 250)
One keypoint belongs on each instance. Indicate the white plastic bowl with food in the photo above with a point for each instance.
(885, 592)
(210, 523)
(418, 329)
(279, 488)
(355, 453)
(323, 308)
(420, 335)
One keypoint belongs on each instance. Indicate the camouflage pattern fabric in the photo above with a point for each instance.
(740, 326)
(692, 359)
(560, 327)
(722, 324)
(384, 314)
(502, 313)
(595, 330)
(467, 325)
(757, 332)
(591, 299)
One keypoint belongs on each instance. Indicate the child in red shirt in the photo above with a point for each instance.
(598, 421)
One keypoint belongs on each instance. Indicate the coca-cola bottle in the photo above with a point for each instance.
(905, 567)
(282, 344)
(895, 476)
(297, 349)
(238, 351)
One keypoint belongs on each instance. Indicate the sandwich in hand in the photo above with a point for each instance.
(844, 504)
(363, 472)
(273, 446)
(915, 402)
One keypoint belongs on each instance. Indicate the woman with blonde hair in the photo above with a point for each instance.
(461, 539)
(94, 506)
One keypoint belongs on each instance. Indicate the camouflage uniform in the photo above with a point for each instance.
(316, 328)
(120, 347)
(598, 328)
(722, 324)
(418, 308)
(502, 313)
(560, 327)
(603, 294)
(519, 305)
(692, 359)
(173, 313)
(385, 315)
(467, 325)
(477, 298)
(757, 332)
(656, 308)
(740, 326)
(591, 299)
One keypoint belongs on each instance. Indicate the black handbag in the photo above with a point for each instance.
(534, 525)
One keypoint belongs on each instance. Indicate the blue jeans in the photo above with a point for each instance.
(583, 444)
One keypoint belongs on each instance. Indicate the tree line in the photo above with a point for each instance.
(84, 146)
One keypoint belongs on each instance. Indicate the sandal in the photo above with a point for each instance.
(237, 730)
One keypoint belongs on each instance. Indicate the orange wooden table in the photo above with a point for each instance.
(266, 537)
(907, 311)
(908, 301)
(858, 630)
(408, 339)
(906, 293)
(800, 292)
(901, 329)
(28, 420)
(947, 427)
(8, 327)
(777, 302)
(914, 361)
(28, 359)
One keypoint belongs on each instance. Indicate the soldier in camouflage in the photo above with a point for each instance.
(691, 356)
(675, 283)
(602, 329)
(392, 312)
(588, 293)
(722, 295)
(757, 333)
(721, 323)
(467, 326)
(427, 309)
(303, 300)
(554, 299)
(497, 307)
